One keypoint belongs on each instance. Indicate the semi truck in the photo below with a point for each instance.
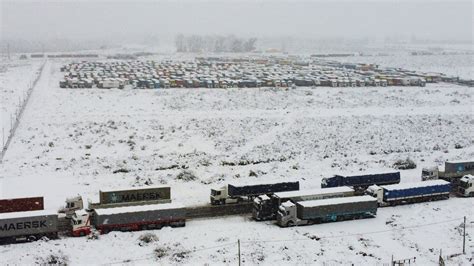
(326, 210)
(28, 226)
(265, 207)
(361, 181)
(410, 192)
(466, 186)
(132, 218)
(21, 204)
(451, 172)
(235, 194)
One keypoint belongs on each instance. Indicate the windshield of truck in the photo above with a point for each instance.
(324, 182)
(464, 184)
(426, 173)
(215, 192)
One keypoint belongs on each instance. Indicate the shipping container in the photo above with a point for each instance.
(460, 167)
(361, 181)
(335, 206)
(139, 217)
(142, 194)
(416, 191)
(235, 191)
(326, 210)
(28, 226)
(21, 204)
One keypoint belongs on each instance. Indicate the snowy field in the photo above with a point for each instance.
(72, 141)
(460, 65)
(16, 77)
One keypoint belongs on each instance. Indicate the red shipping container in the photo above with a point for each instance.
(21, 204)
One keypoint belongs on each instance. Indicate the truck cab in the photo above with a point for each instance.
(81, 224)
(429, 173)
(287, 214)
(466, 187)
(72, 205)
(221, 196)
(263, 208)
(376, 192)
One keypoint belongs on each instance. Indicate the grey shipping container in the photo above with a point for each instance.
(461, 167)
(138, 217)
(31, 223)
(335, 207)
(135, 195)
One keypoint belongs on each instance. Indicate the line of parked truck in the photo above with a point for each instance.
(234, 72)
(340, 198)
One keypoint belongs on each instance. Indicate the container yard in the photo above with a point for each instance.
(210, 72)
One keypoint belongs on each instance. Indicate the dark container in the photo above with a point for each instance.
(361, 180)
(21, 204)
(260, 189)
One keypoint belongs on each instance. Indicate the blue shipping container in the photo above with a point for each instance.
(361, 180)
(415, 190)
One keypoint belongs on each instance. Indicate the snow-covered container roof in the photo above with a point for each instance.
(13, 215)
(264, 197)
(309, 192)
(244, 184)
(460, 161)
(427, 183)
(141, 208)
(333, 201)
(133, 188)
(287, 204)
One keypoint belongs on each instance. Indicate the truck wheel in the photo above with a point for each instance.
(31, 238)
(471, 194)
(290, 224)
(82, 233)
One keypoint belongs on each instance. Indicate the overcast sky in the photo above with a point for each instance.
(40, 20)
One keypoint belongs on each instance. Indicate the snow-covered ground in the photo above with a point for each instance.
(458, 65)
(71, 141)
(16, 77)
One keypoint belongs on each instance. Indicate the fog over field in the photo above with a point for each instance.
(157, 22)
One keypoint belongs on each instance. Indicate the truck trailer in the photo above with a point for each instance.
(235, 194)
(361, 181)
(21, 204)
(28, 226)
(410, 192)
(326, 210)
(265, 207)
(132, 218)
